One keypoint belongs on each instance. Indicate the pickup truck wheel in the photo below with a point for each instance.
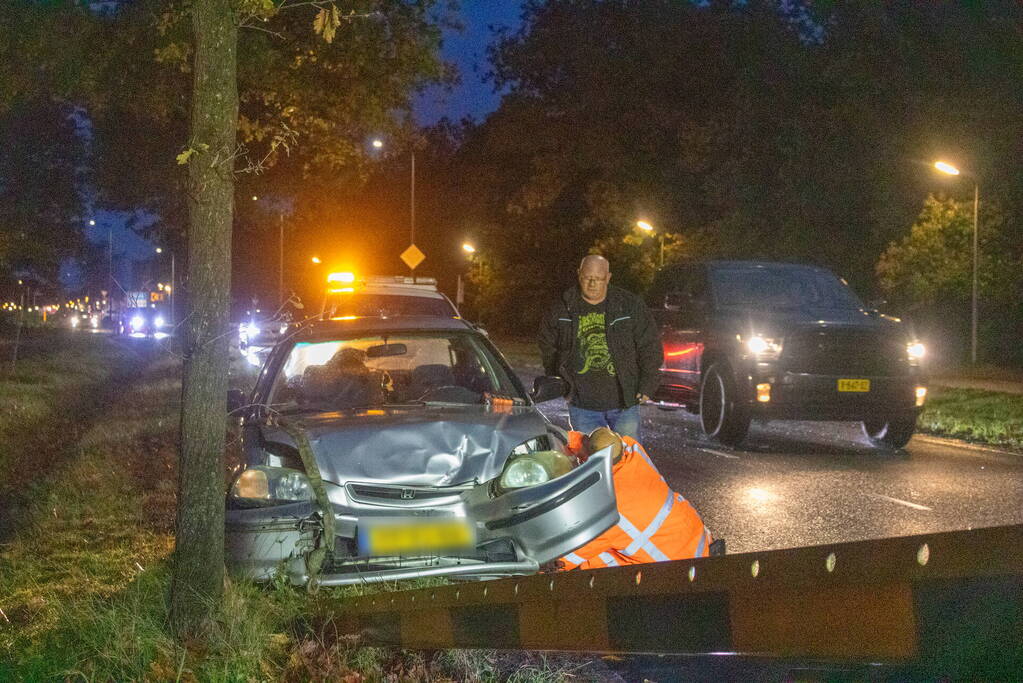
(891, 434)
(721, 416)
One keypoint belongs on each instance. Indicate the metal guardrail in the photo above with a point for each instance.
(947, 601)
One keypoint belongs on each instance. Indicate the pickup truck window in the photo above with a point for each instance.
(792, 287)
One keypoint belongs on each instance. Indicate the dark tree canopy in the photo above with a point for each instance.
(753, 130)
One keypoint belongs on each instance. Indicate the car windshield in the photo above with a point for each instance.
(405, 369)
(360, 304)
(794, 287)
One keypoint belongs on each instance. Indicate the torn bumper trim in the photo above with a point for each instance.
(487, 569)
(546, 506)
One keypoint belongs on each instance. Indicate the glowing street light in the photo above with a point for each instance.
(949, 169)
(169, 289)
(646, 227)
(468, 250)
(316, 260)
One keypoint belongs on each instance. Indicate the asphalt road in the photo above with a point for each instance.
(811, 483)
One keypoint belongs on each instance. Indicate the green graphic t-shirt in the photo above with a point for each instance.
(596, 383)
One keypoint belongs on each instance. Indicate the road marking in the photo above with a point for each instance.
(915, 506)
(723, 455)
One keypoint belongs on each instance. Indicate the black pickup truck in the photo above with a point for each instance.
(750, 340)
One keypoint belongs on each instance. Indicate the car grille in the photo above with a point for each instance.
(400, 495)
(844, 353)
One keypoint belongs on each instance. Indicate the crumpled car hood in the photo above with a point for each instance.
(423, 446)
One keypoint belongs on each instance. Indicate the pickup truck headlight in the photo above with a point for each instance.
(532, 469)
(262, 485)
(763, 347)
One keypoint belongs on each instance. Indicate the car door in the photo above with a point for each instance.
(679, 313)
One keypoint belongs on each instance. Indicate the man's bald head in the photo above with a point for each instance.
(594, 275)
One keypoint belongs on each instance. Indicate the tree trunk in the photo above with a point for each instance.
(197, 579)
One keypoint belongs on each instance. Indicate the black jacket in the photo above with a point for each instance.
(632, 339)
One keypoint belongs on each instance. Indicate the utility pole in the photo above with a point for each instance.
(173, 294)
(280, 270)
(973, 317)
(110, 262)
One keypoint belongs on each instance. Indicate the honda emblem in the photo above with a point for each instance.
(408, 494)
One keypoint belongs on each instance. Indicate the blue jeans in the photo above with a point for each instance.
(624, 421)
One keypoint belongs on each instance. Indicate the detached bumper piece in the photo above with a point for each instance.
(516, 532)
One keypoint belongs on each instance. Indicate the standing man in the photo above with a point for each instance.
(604, 343)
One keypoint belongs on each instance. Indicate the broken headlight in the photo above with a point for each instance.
(262, 485)
(532, 469)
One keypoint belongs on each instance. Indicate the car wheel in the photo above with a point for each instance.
(722, 417)
(889, 433)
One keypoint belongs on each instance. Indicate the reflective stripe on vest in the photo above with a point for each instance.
(636, 448)
(608, 559)
(641, 539)
(703, 542)
(574, 559)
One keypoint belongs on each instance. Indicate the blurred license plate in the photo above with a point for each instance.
(860, 385)
(413, 536)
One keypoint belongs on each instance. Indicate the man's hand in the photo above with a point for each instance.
(642, 398)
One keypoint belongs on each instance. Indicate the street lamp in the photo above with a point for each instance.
(646, 227)
(468, 249)
(316, 260)
(949, 169)
(172, 290)
(379, 144)
(280, 256)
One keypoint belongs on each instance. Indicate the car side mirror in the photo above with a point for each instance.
(547, 388)
(235, 401)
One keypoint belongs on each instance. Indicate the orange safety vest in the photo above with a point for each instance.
(656, 524)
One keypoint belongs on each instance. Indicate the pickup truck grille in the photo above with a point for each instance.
(847, 353)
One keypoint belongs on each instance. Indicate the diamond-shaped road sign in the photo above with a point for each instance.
(412, 256)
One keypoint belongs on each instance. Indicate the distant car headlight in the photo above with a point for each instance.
(159, 322)
(262, 485)
(138, 322)
(94, 321)
(763, 347)
(75, 321)
(532, 469)
(916, 350)
(252, 329)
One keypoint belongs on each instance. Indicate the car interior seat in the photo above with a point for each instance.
(431, 376)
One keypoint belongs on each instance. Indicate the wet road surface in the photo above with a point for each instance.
(811, 483)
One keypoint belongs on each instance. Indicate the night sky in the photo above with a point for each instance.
(472, 97)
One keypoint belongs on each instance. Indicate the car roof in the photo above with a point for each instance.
(391, 290)
(727, 264)
(330, 329)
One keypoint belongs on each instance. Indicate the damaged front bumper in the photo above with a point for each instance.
(515, 533)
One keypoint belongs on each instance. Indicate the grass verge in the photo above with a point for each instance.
(982, 416)
(84, 563)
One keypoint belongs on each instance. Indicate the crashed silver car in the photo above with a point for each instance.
(380, 449)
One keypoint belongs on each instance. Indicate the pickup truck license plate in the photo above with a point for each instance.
(854, 385)
(413, 537)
